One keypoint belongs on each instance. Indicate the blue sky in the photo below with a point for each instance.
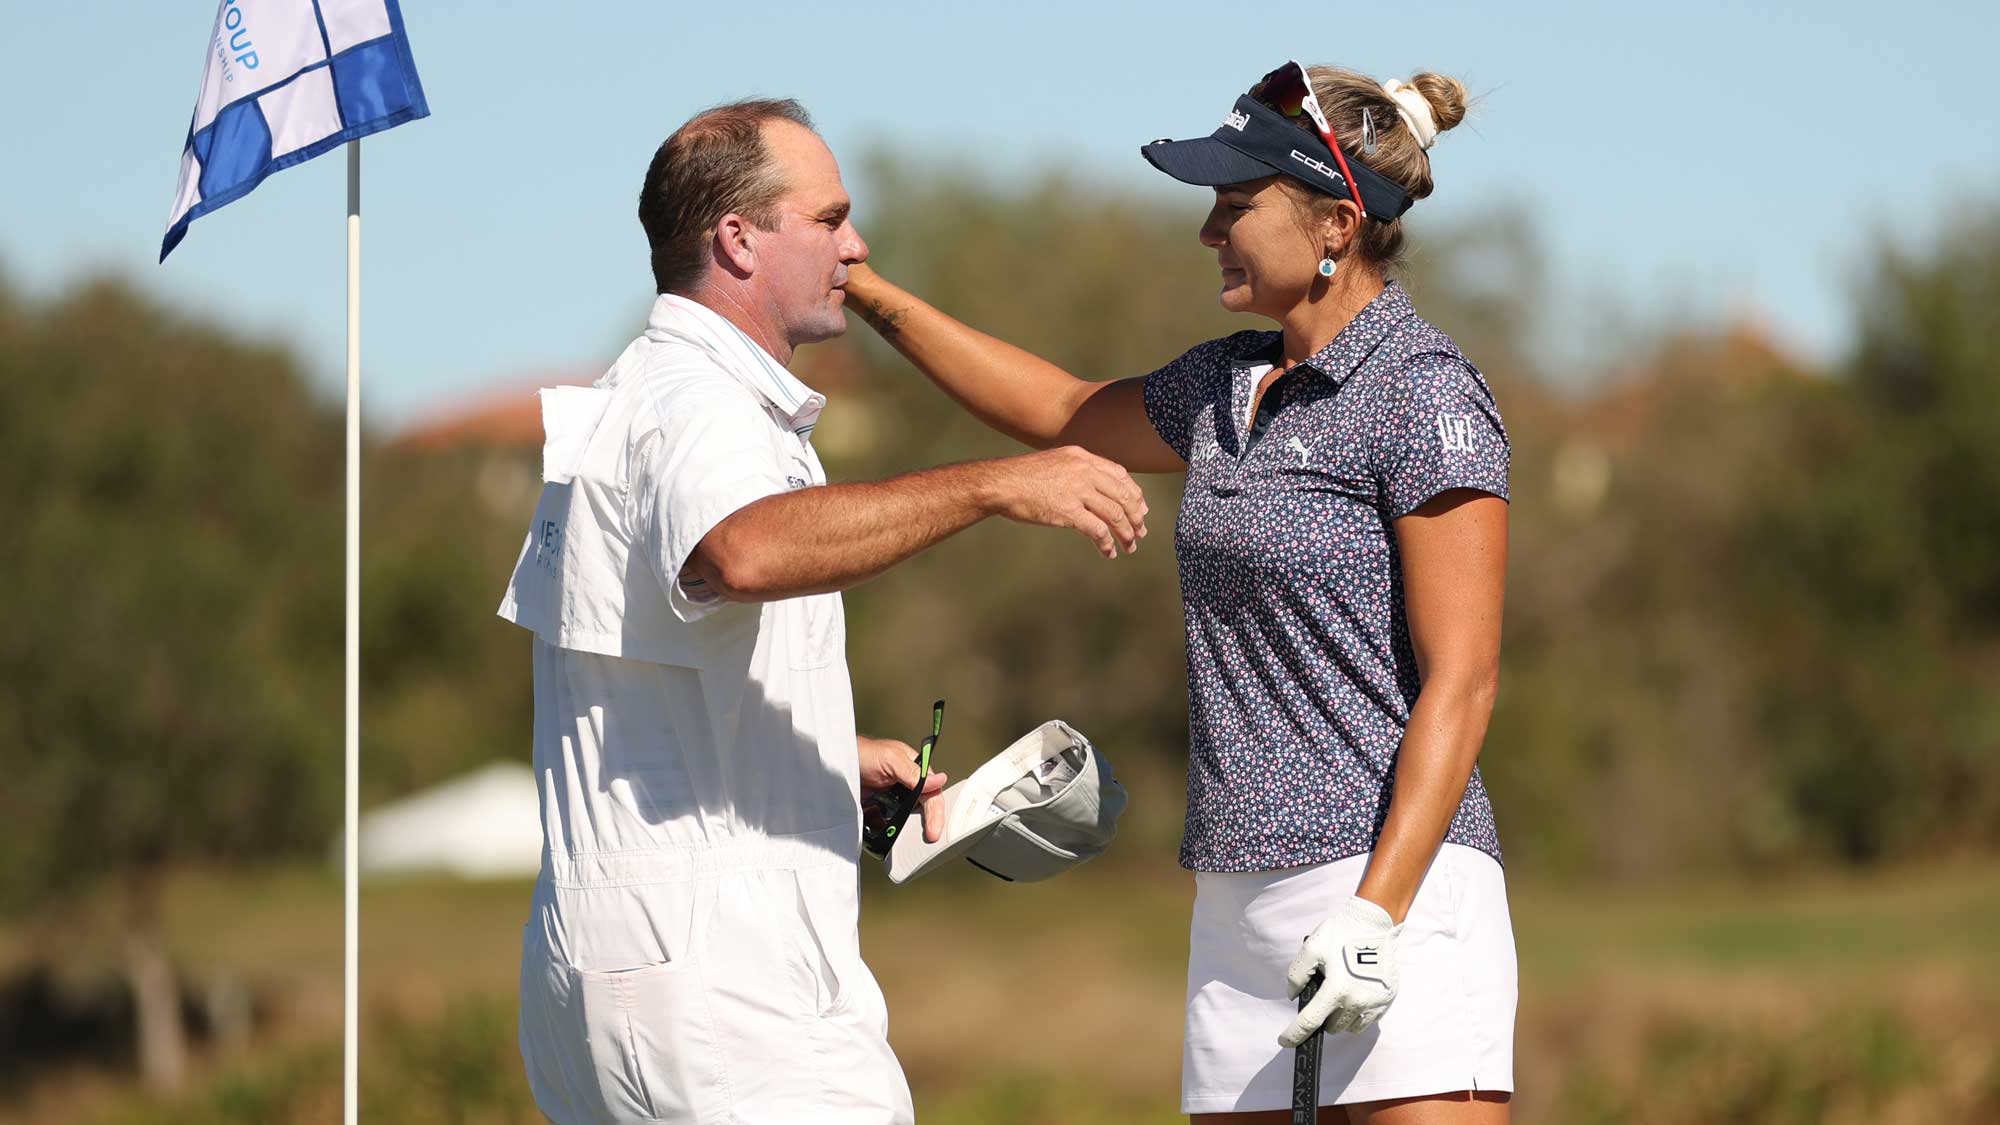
(1690, 159)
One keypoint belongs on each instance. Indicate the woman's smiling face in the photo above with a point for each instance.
(1268, 253)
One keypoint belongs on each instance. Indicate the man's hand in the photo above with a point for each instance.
(886, 763)
(1356, 950)
(1074, 488)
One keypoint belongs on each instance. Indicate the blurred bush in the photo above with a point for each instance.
(172, 655)
(1766, 633)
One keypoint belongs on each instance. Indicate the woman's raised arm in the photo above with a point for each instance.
(1014, 391)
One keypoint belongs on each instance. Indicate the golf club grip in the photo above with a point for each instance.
(1305, 1065)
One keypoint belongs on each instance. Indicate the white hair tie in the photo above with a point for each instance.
(1415, 110)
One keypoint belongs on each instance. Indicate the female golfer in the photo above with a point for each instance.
(1342, 544)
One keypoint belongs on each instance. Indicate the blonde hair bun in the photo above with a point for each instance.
(1446, 96)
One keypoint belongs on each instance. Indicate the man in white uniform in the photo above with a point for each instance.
(693, 953)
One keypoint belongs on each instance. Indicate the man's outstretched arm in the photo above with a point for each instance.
(834, 536)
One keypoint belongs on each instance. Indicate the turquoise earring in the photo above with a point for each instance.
(1326, 267)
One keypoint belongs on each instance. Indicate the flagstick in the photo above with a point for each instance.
(351, 1023)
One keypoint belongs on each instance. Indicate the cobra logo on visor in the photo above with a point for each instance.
(1318, 166)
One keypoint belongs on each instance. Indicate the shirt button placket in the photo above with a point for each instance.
(1226, 481)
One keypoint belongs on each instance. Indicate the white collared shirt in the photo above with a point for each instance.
(667, 719)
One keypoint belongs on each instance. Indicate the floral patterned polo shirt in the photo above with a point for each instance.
(1300, 670)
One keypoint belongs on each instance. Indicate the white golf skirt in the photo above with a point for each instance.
(1452, 1024)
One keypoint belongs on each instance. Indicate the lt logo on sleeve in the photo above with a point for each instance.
(1455, 432)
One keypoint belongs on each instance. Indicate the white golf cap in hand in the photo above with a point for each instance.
(1037, 808)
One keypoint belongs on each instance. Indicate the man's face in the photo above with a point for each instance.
(802, 264)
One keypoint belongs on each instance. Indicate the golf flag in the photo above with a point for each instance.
(284, 81)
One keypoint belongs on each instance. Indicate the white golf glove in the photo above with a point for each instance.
(1356, 950)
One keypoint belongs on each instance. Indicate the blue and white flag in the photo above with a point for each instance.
(285, 81)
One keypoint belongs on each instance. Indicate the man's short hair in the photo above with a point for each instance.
(715, 164)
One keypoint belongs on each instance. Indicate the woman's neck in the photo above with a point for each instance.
(1315, 321)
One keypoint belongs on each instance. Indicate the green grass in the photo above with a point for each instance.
(1822, 922)
(1709, 1001)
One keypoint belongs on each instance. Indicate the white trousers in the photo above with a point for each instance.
(735, 995)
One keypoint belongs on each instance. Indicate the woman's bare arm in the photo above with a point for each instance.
(1454, 551)
(1012, 390)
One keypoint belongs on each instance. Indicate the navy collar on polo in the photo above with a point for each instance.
(1336, 362)
(1349, 348)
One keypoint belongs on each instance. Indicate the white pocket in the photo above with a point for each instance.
(651, 1043)
(637, 1044)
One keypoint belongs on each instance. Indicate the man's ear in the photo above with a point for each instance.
(735, 245)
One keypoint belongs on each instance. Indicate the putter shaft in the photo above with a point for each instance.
(1305, 1065)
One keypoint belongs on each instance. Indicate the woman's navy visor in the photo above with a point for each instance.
(1255, 141)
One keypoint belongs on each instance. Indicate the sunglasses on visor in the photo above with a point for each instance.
(1290, 92)
(884, 813)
